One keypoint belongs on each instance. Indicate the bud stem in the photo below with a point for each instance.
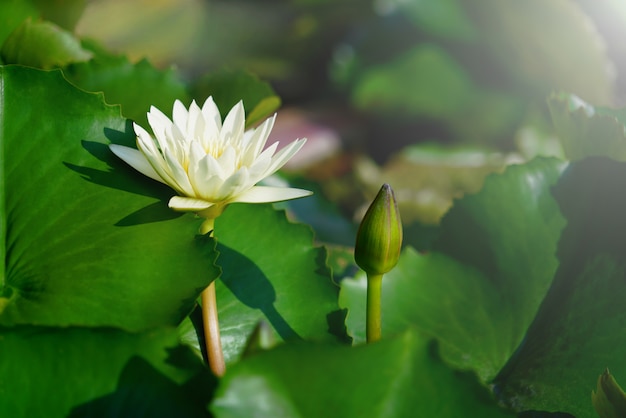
(373, 319)
(212, 338)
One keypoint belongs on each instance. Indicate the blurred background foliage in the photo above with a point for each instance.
(429, 96)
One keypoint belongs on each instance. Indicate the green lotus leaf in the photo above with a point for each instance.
(85, 239)
(271, 271)
(398, 377)
(577, 332)
(105, 372)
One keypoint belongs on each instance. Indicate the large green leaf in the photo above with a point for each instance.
(400, 377)
(86, 239)
(585, 130)
(103, 372)
(579, 330)
(271, 272)
(509, 231)
(135, 86)
(480, 287)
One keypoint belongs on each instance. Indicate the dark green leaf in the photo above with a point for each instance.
(86, 240)
(100, 372)
(400, 377)
(578, 332)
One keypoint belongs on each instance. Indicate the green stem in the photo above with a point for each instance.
(374, 291)
(211, 324)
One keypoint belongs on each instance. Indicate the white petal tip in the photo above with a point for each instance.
(266, 194)
(188, 204)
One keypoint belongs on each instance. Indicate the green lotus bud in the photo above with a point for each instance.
(609, 400)
(379, 239)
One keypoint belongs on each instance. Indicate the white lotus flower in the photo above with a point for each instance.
(207, 163)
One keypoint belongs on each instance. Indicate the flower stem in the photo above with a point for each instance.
(373, 319)
(212, 331)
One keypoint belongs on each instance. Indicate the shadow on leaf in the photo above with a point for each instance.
(142, 390)
(125, 178)
(250, 285)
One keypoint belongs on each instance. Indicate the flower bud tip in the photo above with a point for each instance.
(379, 238)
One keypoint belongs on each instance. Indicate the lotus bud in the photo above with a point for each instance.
(379, 239)
(609, 400)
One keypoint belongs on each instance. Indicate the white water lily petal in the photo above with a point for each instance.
(136, 160)
(207, 177)
(212, 113)
(269, 152)
(257, 140)
(235, 184)
(146, 144)
(180, 115)
(149, 149)
(228, 160)
(188, 204)
(168, 136)
(208, 163)
(284, 155)
(267, 194)
(156, 158)
(234, 124)
(179, 174)
(195, 124)
(157, 120)
(210, 189)
(259, 167)
(196, 177)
